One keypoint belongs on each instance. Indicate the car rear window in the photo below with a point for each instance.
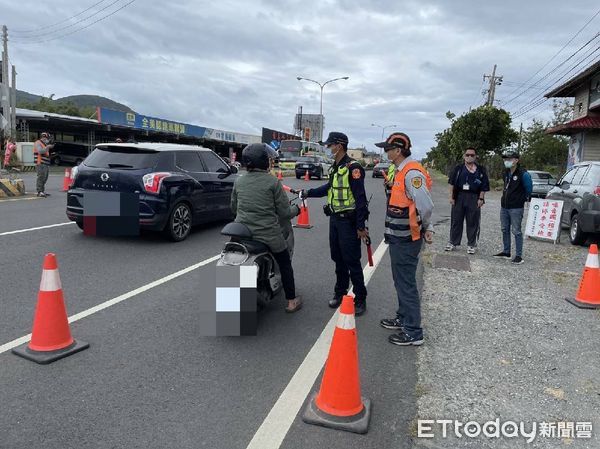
(127, 158)
(307, 159)
(540, 175)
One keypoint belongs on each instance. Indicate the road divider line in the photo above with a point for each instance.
(19, 231)
(111, 302)
(276, 425)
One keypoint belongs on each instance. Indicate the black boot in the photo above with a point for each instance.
(335, 302)
(360, 306)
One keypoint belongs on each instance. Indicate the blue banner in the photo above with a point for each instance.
(148, 123)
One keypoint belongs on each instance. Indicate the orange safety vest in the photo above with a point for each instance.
(39, 159)
(400, 205)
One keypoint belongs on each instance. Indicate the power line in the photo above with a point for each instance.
(559, 51)
(536, 103)
(82, 28)
(57, 23)
(553, 70)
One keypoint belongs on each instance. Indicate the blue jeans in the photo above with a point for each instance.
(510, 221)
(405, 258)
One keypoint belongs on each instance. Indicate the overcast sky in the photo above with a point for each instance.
(232, 64)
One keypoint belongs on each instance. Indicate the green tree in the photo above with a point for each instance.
(485, 128)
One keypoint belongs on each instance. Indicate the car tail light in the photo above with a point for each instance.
(597, 191)
(153, 181)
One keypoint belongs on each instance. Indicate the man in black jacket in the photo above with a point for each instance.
(468, 184)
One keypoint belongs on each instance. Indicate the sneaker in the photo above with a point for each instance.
(449, 247)
(42, 195)
(46, 194)
(360, 307)
(502, 255)
(391, 323)
(470, 250)
(403, 339)
(518, 260)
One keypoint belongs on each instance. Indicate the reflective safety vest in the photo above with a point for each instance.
(340, 196)
(40, 159)
(390, 178)
(402, 218)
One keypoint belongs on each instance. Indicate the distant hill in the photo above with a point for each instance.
(81, 101)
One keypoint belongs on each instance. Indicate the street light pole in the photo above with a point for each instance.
(383, 128)
(321, 86)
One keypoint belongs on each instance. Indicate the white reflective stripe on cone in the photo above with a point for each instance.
(346, 321)
(50, 281)
(592, 261)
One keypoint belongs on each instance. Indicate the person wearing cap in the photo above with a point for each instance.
(348, 212)
(517, 191)
(41, 154)
(259, 201)
(407, 224)
(468, 184)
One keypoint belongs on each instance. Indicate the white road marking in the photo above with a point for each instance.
(20, 199)
(276, 425)
(111, 302)
(19, 231)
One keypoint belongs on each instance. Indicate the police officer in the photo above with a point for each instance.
(348, 212)
(388, 181)
(407, 224)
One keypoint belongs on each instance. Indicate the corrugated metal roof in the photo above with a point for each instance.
(579, 124)
(29, 113)
(568, 89)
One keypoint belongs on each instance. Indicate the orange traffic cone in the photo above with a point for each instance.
(338, 404)
(280, 175)
(588, 294)
(51, 337)
(303, 218)
(306, 176)
(67, 180)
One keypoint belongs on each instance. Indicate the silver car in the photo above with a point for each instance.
(542, 183)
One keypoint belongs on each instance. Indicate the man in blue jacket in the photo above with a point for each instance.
(517, 191)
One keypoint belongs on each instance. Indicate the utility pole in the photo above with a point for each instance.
(13, 103)
(494, 81)
(4, 87)
(520, 137)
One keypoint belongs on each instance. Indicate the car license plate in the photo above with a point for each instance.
(306, 166)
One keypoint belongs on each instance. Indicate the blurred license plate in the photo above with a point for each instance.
(306, 166)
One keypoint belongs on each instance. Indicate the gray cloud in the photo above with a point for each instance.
(233, 64)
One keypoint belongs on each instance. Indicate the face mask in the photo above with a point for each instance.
(508, 164)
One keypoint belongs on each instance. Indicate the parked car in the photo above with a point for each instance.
(317, 166)
(68, 153)
(178, 185)
(542, 183)
(380, 169)
(579, 189)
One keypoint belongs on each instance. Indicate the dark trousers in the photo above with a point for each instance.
(287, 273)
(344, 245)
(42, 177)
(404, 256)
(465, 209)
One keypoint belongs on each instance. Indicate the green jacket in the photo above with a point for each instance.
(259, 201)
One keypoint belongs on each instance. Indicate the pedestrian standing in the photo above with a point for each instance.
(9, 149)
(348, 212)
(407, 224)
(41, 153)
(468, 183)
(517, 191)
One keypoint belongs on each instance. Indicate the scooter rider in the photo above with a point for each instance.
(259, 202)
(348, 211)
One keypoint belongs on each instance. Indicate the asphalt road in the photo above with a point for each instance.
(149, 380)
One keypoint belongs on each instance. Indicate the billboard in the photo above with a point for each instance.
(149, 123)
(274, 138)
(312, 122)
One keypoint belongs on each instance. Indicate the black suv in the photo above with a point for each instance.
(178, 185)
(579, 189)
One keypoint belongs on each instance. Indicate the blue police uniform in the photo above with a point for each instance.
(344, 244)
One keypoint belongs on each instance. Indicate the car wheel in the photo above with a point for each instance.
(320, 174)
(180, 223)
(79, 224)
(576, 236)
(297, 176)
(78, 161)
(56, 160)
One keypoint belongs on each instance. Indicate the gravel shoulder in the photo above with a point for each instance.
(502, 342)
